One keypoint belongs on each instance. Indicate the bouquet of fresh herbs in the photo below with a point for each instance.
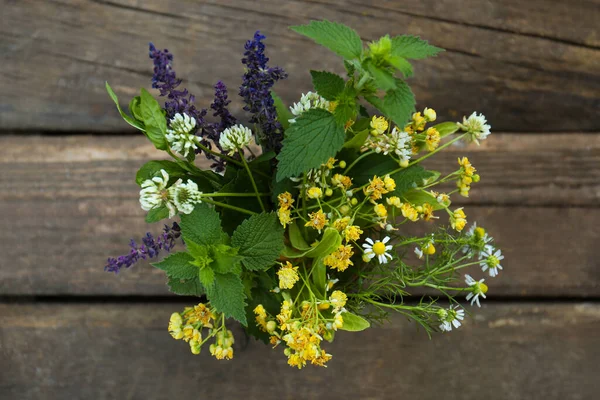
(301, 225)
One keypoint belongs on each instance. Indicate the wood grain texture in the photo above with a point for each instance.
(529, 67)
(123, 351)
(70, 202)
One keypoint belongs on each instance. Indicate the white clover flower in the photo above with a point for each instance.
(478, 288)
(154, 192)
(491, 261)
(179, 134)
(234, 138)
(307, 102)
(185, 196)
(399, 142)
(451, 318)
(476, 127)
(377, 248)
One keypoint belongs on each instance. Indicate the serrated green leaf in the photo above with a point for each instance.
(354, 323)
(206, 276)
(130, 120)
(157, 214)
(338, 38)
(202, 226)
(200, 253)
(410, 178)
(399, 103)
(446, 128)
(375, 102)
(155, 121)
(177, 265)
(186, 287)
(283, 113)
(327, 84)
(413, 47)
(228, 297)
(309, 142)
(402, 65)
(259, 239)
(152, 169)
(344, 112)
(383, 78)
(225, 259)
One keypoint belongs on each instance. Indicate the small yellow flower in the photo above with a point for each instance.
(330, 163)
(285, 313)
(317, 220)
(443, 199)
(408, 211)
(429, 114)
(260, 311)
(342, 223)
(394, 201)
(418, 122)
(314, 193)
(432, 139)
(428, 212)
(458, 220)
(284, 215)
(338, 322)
(378, 125)
(341, 181)
(175, 326)
(469, 170)
(389, 183)
(338, 299)
(352, 232)
(332, 106)
(195, 347)
(340, 259)
(429, 248)
(376, 188)
(201, 313)
(380, 210)
(288, 276)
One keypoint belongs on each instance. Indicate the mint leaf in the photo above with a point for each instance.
(354, 323)
(283, 113)
(157, 214)
(186, 287)
(310, 141)
(259, 239)
(402, 65)
(152, 169)
(131, 121)
(225, 259)
(345, 111)
(202, 226)
(383, 78)
(338, 38)
(413, 47)
(207, 277)
(399, 103)
(200, 253)
(177, 265)
(228, 297)
(327, 84)
(154, 120)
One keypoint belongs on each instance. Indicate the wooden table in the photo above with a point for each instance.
(68, 201)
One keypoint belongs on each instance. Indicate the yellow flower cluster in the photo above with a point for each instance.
(458, 219)
(188, 325)
(342, 181)
(222, 349)
(317, 220)
(340, 259)
(288, 276)
(467, 176)
(377, 187)
(432, 139)
(285, 204)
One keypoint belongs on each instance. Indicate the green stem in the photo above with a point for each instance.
(238, 209)
(262, 206)
(366, 154)
(234, 194)
(228, 159)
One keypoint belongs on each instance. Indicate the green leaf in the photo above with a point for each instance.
(338, 38)
(410, 178)
(375, 164)
(446, 128)
(157, 214)
(200, 253)
(345, 111)
(310, 141)
(357, 140)
(296, 238)
(228, 297)
(225, 259)
(154, 120)
(152, 169)
(135, 108)
(207, 277)
(178, 266)
(131, 121)
(402, 65)
(419, 197)
(202, 226)
(283, 113)
(399, 103)
(186, 287)
(354, 323)
(327, 84)
(260, 240)
(383, 78)
(376, 102)
(330, 242)
(413, 47)
(319, 276)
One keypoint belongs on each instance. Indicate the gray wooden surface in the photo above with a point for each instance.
(68, 330)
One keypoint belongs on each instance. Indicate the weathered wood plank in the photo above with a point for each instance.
(527, 67)
(507, 351)
(70, 202)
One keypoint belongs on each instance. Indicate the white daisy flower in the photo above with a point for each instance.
(307, 102)
(480, 240)
(154, 193)
(478, 288)
(476, 127)
(185, 195)
(180, 136)
(379, 249)
(419, 252)
(450, 318)
(234, 138)
(491, 260)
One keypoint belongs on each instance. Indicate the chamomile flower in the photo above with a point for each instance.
(185, 195)
(419, 253)
(154, 193)
(478, 241)
(451, 318)
(491, 260)
(478, 288)
(180, 134)
(476, 127)
(234, 138)
(307, 102)
(378, 248)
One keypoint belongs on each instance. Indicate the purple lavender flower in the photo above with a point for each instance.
(164, 79)
(219, 106)
(256, 91)
(150, 248)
